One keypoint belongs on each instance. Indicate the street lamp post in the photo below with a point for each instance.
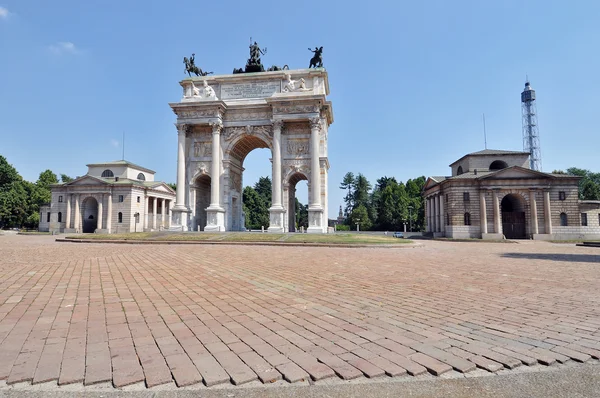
(357, 226)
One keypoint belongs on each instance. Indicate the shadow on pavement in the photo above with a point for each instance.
(577, 258)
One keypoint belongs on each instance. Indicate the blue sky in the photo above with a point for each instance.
(409, 80)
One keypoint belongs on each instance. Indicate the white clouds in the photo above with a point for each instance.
(63, 47)
(114, 143)
(4, 13)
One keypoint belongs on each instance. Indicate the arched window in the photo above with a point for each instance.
(141, 177)
(467, 218)
(563, 220)
(459, 171)
(120, 217)
(498, 165)
(59, 216)
(107, 173)
(447, 218)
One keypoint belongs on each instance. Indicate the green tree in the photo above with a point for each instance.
(172, 185)
(301, 215)
(255, 209)
(264, 189)
(65, 178)
(14, 198)
(589, 185)
(361, 216)
(348, 183)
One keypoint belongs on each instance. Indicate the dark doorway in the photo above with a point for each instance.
(90, 215)
(513, 217)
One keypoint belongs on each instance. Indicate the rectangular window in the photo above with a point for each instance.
(584, 219)
(48, 217)
(60, 199)
(120, 198)
(562, 195)
(138, 199)
(466, 196)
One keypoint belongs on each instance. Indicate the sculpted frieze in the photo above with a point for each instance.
(296, 128)
(296, 109)
(247, 115)
(232, 132)
(191, 114)
(202, 149)
(298, 147)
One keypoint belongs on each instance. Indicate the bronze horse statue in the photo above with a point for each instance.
(190, 67)
(317, 60)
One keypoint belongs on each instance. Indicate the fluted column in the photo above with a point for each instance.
(276, 211)
(180, 193)
(109, 212)
(215, 214)
(534, 218)
(428, 211)
(169, 219)
(68, 215)
(215, 189)
(163, 220)
(315, 209)
(154, 211)
(483, 213)
(77, 215)
(100, 218)
(497, 214)
(315, 169)
(434, 213)
(547, 212)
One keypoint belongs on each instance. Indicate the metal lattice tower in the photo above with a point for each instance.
(531, 134)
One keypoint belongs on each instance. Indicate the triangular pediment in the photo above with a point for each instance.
(516, 172)
(431, 182)
(87, 180)
(162, 187)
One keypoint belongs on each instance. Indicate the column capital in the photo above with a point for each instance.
(182, 129)
(315, 123)
(277, 123)
(217, 126)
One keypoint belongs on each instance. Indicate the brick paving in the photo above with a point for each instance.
(191, 314)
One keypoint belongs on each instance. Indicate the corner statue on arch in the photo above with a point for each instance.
(222, 118)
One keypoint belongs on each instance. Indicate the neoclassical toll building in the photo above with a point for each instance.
(493, 194)
(113, 197)
(220, 119)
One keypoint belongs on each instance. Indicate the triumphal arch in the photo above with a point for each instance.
(221, 118)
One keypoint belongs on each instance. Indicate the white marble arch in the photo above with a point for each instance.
(249, 112)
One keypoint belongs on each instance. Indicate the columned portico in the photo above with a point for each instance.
(154, 211)
(163, 220)
(533, 207)
(77, 215)
(100, 200)
(276, 212)
(109, 212)
(68, 215)
(547, 212)
(315, 209)
(497, 213)
(215, 214)
(483, 212)
(146, 212)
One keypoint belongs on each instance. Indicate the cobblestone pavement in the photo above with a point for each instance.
(126, 314)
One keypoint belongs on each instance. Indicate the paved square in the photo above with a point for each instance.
(92, 313)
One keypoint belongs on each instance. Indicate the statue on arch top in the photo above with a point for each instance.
(317, 60)
(190, 67)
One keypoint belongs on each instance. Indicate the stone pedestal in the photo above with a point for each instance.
(180, 218)
(215, 217)
(276, 217)
(315, 221)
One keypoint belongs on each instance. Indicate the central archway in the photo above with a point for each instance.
(89, 210)
(252, 139)
(513, 216)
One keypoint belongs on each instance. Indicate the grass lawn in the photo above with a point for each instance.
(339, 238)
(346, 238)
